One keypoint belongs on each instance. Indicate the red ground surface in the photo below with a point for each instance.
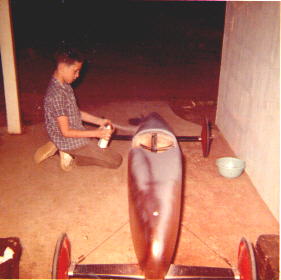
(38, 202)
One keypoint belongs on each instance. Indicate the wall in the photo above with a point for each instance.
(248, 102)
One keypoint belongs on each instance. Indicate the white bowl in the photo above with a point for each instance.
(230, 167)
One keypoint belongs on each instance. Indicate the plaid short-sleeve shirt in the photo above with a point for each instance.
(60, 101)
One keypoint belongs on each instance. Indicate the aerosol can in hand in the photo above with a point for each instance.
(103, 143)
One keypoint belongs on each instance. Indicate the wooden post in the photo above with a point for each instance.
(9, 69)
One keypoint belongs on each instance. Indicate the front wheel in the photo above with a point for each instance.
(62, 258)
(246, 261)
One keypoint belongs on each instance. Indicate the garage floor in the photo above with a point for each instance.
(39, 202)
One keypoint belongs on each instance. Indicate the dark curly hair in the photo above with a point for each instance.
(68, 55)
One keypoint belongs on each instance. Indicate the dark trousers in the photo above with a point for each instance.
(91, 154)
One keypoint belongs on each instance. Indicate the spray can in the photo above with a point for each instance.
(103, 143)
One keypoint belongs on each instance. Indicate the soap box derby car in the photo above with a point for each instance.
(155, 198)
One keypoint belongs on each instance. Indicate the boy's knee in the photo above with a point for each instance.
(116, 162)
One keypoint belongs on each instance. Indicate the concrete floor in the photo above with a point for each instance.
(39, 202)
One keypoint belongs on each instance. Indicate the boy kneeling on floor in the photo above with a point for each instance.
(63, 121)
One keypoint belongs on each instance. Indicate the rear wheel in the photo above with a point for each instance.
(205, 137)
(62, 258)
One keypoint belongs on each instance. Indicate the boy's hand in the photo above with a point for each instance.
(104, 133)
(106, 122)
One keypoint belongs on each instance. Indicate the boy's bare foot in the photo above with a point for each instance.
(66, 161)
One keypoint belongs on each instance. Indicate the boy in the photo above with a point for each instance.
(63, 121)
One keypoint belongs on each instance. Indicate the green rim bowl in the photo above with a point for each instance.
(230, 167)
